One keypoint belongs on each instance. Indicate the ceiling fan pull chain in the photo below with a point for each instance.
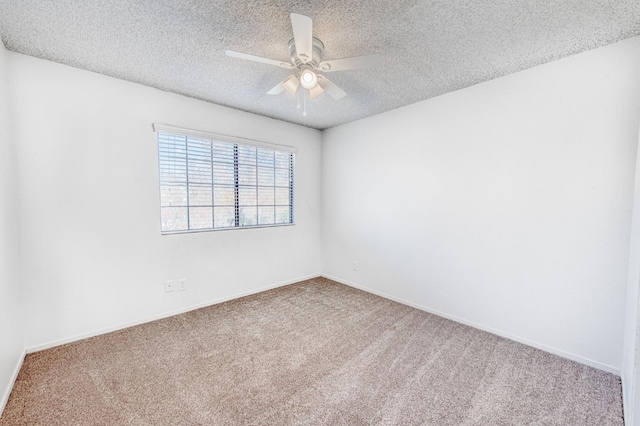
(298, 106)
(304, 102)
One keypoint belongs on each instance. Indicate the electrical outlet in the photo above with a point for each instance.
(182, 284)
(169, 286)
(355, 265)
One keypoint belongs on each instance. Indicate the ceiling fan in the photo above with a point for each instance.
(305, 53)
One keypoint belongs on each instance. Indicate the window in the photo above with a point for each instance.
(210, 182)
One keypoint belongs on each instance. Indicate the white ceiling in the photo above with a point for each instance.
(430, 47)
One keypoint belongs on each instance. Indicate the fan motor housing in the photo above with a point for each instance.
(318, 50)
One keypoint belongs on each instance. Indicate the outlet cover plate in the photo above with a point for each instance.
(182, 284)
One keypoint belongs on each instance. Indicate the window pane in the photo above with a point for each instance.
(282, 159)
(199, 148)
(198, 144)
(171, 144)
(200, 195)
(172, 173)
(282, 215)
(282, 196)
(265, 196)
(265, 215)
(247, 196)
(224, 195)
(266, 157)
(223, 174)
(173, 196)
(172, 159)
(199, 172)
(200, 218)
(265, 176)
(222, 152)
(248, 216)
(174, 218)
(246, 175)
(246, 155)
(282, 177)
(224, 217)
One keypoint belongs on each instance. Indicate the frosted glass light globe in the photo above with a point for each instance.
(308, 79)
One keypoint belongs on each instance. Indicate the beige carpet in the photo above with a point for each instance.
(315, 352)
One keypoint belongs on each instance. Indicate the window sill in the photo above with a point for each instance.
(194, 231)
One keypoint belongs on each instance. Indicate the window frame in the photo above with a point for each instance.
(215, 137)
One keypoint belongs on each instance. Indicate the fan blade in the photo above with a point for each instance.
(255, 58)
(334, 91)
(277, 90)
(367, 61)
(303, 36)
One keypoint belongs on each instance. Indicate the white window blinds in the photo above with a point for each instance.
(208, 184)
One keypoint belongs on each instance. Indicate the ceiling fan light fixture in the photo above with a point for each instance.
(305, 54)
(292, 84)
(315, 91)
(308, 79)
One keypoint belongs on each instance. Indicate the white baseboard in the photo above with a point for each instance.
(121, 326)
(627, 399)
(555, 351)
(14, 376)
(625, 408)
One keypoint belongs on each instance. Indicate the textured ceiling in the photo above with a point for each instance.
(429, 47)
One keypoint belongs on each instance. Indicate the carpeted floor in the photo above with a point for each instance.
(316, 352)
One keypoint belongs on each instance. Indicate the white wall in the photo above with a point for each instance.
(93, 257)
(631, 355)
(506, 205)
(11, 330)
